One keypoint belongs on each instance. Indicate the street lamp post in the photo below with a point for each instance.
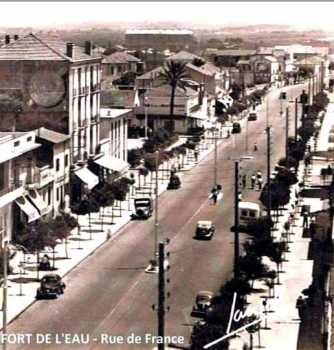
(145, 106)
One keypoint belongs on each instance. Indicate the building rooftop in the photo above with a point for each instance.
(14, 144)
(152, 74)
(235, 52)
(159, 31)
(120, 57)
(183, 56)
(51, 136)
(41, 48)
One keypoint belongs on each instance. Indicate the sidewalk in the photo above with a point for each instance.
(22, 283)
(281, 322)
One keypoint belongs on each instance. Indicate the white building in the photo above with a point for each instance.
(19, 203)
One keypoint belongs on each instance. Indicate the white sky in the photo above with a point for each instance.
(313, 14)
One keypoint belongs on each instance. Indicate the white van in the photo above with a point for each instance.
(248, 211)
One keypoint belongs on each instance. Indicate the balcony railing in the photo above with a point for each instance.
(44, 176)
(12, 187)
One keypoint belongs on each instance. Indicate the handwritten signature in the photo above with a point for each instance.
(236, 316)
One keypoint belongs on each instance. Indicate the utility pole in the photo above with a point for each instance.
(236, 219)
(296, 118)
(309, 90)
(246, 137)
(268, 172)
(145, 106)
(156, 222)
(287, 133)
(215, 164)
(161, 296)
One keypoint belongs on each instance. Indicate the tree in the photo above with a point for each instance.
(236, 91)
(279, 195)
(37, 237)
(252, 267)
(174, 74)
(134, 157)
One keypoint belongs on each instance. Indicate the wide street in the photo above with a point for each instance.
(110, 292)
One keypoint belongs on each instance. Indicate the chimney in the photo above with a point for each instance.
(7, 39)
(16, 37)
(88, 48)
(69, 49)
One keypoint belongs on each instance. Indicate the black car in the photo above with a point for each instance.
(236, 128)
(204, 230)
(51, 286)
(143, 208)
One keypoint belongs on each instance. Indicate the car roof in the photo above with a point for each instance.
(205, 293)
(51, 275)
(204, 223)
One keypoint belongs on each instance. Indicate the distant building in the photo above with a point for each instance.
(174, 40)
(230, 57)
(119, 63)
(190, 109)
(185, 57)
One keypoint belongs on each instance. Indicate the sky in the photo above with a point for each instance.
(43, 14)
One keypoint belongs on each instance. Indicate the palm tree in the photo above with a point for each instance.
(173, 74)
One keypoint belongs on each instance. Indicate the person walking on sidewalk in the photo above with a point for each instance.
(244, 181)
(300, 305)
(196, 155)
(304, 214)
(260, 183)
(253, 180)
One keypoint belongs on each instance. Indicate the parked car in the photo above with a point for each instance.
(51, 286)
(252, 116)
(236, 128)
(143, 208)
(174, 182)
(203, 303)
(204, 230)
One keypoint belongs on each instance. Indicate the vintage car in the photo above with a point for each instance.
(236, 128)
(174, 182)
(204, 230)
(252, 116)
(51, 286)
(143, 208)
(203, 304)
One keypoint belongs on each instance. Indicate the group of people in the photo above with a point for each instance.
(256, 180)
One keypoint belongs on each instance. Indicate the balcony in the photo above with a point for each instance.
(44, 176)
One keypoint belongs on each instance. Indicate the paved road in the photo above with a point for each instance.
(109, 292)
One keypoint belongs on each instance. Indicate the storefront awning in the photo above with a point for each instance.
(112, 163)
(28, 208)
(38, 202)
(87, 177)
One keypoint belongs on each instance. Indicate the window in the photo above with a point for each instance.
(29, 138)
(16, 143)
(66, 160)
(57, 164)
(252, 214)
(57, 197)
(244, 212)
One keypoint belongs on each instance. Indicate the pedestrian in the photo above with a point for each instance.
(312, 228)
(304, 214)
(259, 174)
(253, 180)
(300, 305)
(244, 181)
(214, 195)
(196, 156)
(260, 183)
(239, 196)
(255, 147)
